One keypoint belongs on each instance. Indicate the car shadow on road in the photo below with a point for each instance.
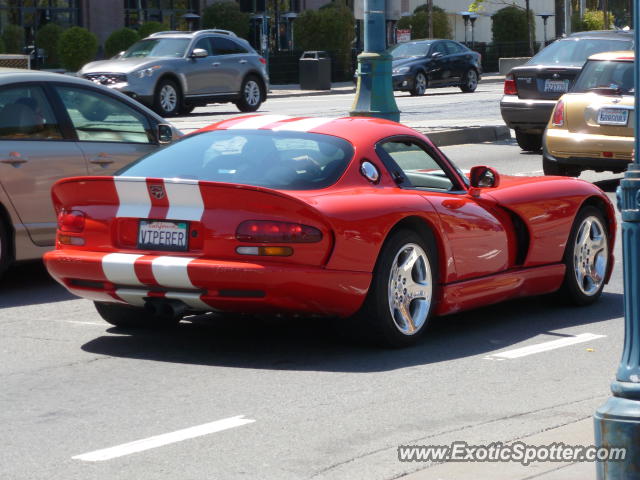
(608, 185)
(321, 345)
(30, 284)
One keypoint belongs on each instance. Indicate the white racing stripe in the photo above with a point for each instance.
(185, 200)
(133, 197)
(190, 299)
(303, 125)
(118, 268)
(544, 347)
(133, 296)
(172, 272)
(164, 439)
(258, 122)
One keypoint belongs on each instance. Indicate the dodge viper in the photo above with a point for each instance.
(356, 218)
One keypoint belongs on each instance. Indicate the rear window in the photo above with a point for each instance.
(598, 74)
(571, 52)
(280, 160)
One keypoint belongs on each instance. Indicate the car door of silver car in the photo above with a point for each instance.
(231, 62)
(33, 155)
(202, 73)
(110, 133)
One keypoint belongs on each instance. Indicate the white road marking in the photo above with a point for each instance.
(86, 323)
(118, 268)
(172, 271)
(185, 200)
(528, 174)
(164, 439)
(544, 347)
(133, 197)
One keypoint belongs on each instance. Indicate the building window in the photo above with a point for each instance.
(169, 12)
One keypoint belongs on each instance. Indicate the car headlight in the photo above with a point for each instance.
(145, 72)
(401, 70)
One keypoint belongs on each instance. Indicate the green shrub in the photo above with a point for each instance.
(419, 23)
(510, 25)
(591, 20)
(148, 28)
(47, 38)
(227, 16)
(76, 47)
(120, 40)
(13, 38)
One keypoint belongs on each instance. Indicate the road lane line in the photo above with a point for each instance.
(163, 439)
(543, 347)
(87, 323)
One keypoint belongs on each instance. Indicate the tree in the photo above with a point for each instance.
(419, 20)
(120, 40)
(227, 16)
(510, 25)
(76, 47)
(47, 38)
(591, 20)
(147, 28)
(13, 38)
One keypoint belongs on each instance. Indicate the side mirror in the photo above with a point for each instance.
(199, 53)
(484, 177)
(165, 134)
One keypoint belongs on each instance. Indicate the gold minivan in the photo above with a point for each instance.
(592, 126)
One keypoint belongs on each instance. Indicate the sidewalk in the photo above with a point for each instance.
(577, 433)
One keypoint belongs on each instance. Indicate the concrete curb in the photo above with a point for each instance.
(463, 135)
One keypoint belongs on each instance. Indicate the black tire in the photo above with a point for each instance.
(252, 94)
(549, 167)
(5, 248)
(578, 254)
(187, 109)
(375, 319)
(168, 98)
(420, 84)
(126, 316)
(529, 142)
(469, 81)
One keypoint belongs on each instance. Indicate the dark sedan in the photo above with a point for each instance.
(422, 64)
(531, 90)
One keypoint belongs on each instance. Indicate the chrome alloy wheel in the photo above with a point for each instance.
(252, 93)
(472, 80)
(410, 289)
(420, 86)
(590, 256)
(168, 98)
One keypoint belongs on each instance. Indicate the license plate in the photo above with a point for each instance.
(163, 235)
(556, 86)
(613, 116)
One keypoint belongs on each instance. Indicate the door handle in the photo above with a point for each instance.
(102, 159)
(242, 61)
(216, 64)
(15, 159)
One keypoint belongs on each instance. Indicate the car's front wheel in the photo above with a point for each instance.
(529, 142)
(420, 84)
(251, 95)
(400, 299)
(469, 81)
(127, 316)
(168, 99)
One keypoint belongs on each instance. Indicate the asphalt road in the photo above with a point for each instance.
(320, 405)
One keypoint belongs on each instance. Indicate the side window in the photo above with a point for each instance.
(25, 113)
(226, 46)
(100, 118)
(419, 168)
(439, 47)
(205, 44)
(454, 48)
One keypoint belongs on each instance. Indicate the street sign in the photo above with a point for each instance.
(403, 36)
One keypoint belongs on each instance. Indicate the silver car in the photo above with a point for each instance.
(54, 126)
(174, 72)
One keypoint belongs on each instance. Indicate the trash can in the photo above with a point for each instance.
(315, 71)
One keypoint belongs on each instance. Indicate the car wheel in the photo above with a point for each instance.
(127, 316)
(529, 142)
(251, 95)
(400, 299)
(469, 82)
(5, 250)
(420, 84)
(586, 257)
(168, 98)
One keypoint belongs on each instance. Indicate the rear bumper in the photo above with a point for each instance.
(209, 285)
(528, 115)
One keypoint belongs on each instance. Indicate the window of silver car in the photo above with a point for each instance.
(226, 46)
(420, 168)
(100, 118)
(25, 113)
(158, 47)
(205, 44)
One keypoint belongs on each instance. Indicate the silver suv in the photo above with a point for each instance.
(174, 72)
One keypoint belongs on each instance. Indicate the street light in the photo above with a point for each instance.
(374, 96)
(191, 19)
(465, 17)
(617, 422)
(545, 17)
(472, 19)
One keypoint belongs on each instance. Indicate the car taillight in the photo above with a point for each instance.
(557, 120)
(71, 221)
(262, 61)
(266, 231)
(510, 87)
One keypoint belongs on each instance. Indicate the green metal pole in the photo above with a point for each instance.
(374, 95)
(617, 422)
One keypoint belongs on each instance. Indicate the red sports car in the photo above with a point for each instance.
(357, 218)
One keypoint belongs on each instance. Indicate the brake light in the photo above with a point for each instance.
(266, 231)
(557, 120)
(71, 221)
(510, 87)
(262, 61)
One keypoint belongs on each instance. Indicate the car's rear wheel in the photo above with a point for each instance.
(420, 84)
(5, 250)
(168, 99)
(469, 81)
(529, 142)
(127, 316)
(400, 300)
(251, 94)
(586, 257)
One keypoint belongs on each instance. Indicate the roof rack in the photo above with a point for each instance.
(216, 30)
(166, 32)
(197, 32)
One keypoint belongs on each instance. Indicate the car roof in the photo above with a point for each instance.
(182, 34)
(14, 75)
(620, 34)
(627, 55)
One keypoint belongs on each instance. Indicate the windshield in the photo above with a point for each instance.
(281, 160)
(598, 74)
(574, 52)
(158, 47)
(411, 49)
